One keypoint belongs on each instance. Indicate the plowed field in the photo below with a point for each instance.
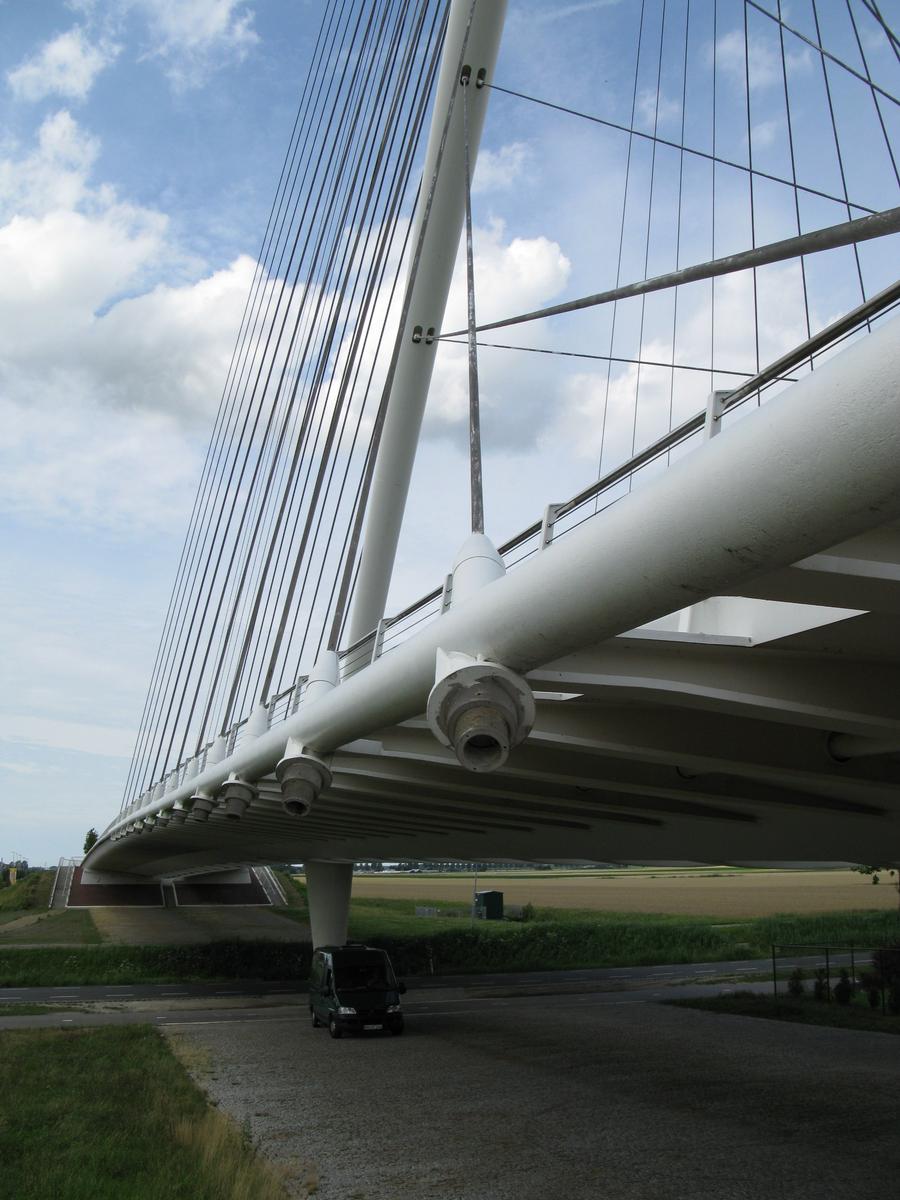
(738, 894)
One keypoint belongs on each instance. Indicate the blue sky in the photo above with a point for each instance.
(140, 145)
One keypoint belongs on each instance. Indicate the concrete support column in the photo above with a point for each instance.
(328, 889)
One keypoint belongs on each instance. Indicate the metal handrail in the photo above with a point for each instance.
(358, 655)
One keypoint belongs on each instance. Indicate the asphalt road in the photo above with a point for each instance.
(602, 978)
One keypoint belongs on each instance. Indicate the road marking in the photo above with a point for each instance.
(441, 1012)
(230, 1020)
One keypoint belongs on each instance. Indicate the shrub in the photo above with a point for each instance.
(843, 989)
(871, 985)
(886, 963)
(820, 986)
(795, 984)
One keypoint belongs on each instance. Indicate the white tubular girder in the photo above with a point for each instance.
(400, 437)
(814, 466)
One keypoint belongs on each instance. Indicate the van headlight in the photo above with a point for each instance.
(393, 1008)
(345, 1011)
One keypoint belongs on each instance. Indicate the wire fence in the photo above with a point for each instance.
(873, 970)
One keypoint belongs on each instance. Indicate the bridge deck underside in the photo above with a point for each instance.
(662, 744)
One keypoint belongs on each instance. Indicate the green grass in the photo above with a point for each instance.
(750, 938)
(857, 1015)
(31, 892)
(56, 965)
(24, 1009)
(294, 889)
(446, 945)
(70, 926)
(110, 1114)
(13, 914)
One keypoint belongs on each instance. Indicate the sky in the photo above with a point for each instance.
(140, 147)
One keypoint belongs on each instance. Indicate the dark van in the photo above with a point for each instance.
(352, 989)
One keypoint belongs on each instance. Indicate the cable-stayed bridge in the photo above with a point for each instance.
(691, 656)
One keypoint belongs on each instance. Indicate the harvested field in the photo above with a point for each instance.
(718, 893)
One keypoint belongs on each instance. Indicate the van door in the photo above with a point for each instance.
(317, 976)
(327, 1001)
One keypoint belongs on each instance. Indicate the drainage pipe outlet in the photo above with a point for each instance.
(302, 776)
(481, 710)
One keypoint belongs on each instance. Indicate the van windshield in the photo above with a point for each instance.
(364, 974)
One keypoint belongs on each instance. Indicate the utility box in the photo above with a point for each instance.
(489, 906)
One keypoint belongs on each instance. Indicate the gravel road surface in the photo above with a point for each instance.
(570, 1096)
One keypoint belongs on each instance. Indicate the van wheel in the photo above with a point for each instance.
(315, 1020)
(396, 1030)
(333, 1028)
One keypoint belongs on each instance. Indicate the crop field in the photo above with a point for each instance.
(709, 891)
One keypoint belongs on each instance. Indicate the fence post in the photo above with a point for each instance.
(774, 976)
(827, 975)
(551, 512)
(881, 976)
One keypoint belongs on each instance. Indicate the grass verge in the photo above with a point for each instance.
(31, 892)
(445, 946)
(72, 926)
(857, 1015)
(24, 1009)
(110, 1114)
(55, 965)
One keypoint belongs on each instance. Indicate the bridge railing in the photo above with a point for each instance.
(560, 519)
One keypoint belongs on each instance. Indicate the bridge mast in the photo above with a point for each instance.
(427, 289)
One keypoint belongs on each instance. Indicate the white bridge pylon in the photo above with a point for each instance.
(706, 670)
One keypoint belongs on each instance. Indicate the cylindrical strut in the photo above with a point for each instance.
(403, 421)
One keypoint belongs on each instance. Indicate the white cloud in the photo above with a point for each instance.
(765, 66)
(655, 109)
(497, 170)
(107, 383)
(510, 276)
(594, 417)
(194, 37)
(21, 768)
(560, 12)
(68, 735)
(66, 66)
(76, 466)
(765, 133)
(54, 175)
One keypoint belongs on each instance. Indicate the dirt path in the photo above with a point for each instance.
(22, 922)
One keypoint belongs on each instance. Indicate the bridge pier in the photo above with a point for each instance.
(328, 890)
